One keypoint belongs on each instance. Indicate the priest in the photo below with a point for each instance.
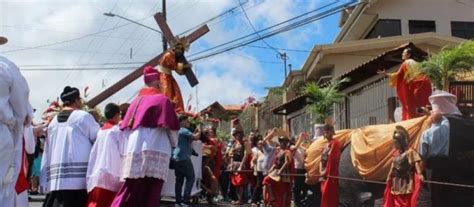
(15, 113)
(152, 128)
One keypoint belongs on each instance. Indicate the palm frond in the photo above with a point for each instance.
(323, 99)
(449, 64)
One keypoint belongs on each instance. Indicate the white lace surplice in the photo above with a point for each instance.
(147, 154)
(105, 162)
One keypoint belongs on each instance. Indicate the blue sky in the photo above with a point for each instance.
(228, 78)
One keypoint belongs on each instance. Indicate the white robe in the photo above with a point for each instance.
(105, 161)
(14, 110)
(66, 152)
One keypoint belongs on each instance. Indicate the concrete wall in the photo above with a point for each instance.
(347, 61)
(441, 11)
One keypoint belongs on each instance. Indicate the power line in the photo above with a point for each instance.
(261, 61)
(229, 11)
(110, 65)
(149, 13)
(86, 64)
(280, 55)
(268, 28)
(73, 39)
(283, 29)
(237, 12)
(255, 30)
(78, 69)
(274, 32)
(101, 78)
(183, 10)
(63, 32)
(77, 51)
(301, 50)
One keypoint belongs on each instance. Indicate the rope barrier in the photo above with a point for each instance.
(234, 171)
(358, 180)
(449, 184)
(370, 181)
(384, 183)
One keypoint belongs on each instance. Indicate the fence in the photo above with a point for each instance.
(464, 90)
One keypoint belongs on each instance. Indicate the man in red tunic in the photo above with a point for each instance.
(406, 174)
(413, 88)
(173, 59)
(329, 168)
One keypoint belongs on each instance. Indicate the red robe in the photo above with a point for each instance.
(168, 84)
(407, 200)
(217, 168)
(412, 93)
(403, 200)
(279, 188)
(330, 187)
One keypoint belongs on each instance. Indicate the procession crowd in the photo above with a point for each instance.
(78, 158)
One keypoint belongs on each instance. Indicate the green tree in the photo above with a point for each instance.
(449, 64)
(323, 98)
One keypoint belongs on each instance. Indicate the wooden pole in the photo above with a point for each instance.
(122, 83)
(163, 38)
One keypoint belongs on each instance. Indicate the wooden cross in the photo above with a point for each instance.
(171, 39)
(153, 62)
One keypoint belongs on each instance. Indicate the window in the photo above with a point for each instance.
(416, 26)
(462, 29)
(385, 28)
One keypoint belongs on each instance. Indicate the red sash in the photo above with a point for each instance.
(22, 183)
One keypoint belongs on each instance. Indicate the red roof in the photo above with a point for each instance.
(233, 107)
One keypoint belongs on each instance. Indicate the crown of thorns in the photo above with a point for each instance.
(182, 42)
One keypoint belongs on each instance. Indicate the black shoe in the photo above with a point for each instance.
(210, 200)
(188, 203)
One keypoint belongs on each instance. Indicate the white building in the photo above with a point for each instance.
(373, 35)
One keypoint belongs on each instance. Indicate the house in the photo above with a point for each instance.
(258, 116)
(373, 34)
(224, 115)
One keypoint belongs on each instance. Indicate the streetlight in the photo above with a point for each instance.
(110, 14)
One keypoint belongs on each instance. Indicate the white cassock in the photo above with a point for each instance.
(14, 110)
(66, 152)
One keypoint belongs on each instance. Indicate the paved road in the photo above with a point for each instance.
(37, 201)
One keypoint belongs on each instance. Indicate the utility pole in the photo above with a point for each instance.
(197, 90)
(163, 10)
(284, 57)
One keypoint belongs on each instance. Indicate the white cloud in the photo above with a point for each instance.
(228, 78)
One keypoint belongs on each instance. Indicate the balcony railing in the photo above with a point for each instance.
(464, 90)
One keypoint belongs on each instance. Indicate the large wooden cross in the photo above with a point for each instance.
(153, 62)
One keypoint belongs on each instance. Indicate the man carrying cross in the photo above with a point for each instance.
(174, 59)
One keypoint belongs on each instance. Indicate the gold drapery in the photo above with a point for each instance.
(371, 149)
